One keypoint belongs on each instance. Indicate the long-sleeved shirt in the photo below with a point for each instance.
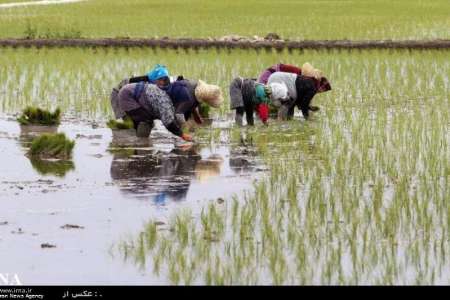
(182, 94)
(154, 100)
(278, 68)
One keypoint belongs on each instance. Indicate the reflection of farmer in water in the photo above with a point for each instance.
(208, 168)
(164, 174)
(243, 155)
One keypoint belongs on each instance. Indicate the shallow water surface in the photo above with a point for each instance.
(104, 193)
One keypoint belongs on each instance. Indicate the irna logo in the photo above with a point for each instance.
(9, 279)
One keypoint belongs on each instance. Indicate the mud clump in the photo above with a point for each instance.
(47, 246)
(19, 231)
(272, 36)
(71, 226)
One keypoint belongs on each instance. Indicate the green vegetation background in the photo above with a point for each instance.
(353, 19)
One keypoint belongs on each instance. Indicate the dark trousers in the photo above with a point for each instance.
(248, 110)
(139, 115)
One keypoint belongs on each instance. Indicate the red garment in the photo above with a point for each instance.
(290, 69)
(263, 112)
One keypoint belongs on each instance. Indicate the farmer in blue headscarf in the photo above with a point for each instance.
(186, 95)
(159, 76)
(144, 103)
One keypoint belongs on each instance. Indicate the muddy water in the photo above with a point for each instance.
(103, 194)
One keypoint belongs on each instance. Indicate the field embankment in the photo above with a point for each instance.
(229, 43)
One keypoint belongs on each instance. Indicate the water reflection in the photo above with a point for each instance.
(52, 167)
(243, 154)
(162, 176)
(55, 167)
(157, 175)
(128, 138)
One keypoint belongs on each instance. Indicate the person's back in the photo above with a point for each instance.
(286, 78)
(127, 98)
(190, 85)
(263, 78)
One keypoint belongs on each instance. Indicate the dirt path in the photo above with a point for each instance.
(187, 43)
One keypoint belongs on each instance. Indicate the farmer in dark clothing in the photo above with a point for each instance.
(301, 90)
(264, 77)
(186, 96)
(247, 96)
(182, 93)
(144, 102)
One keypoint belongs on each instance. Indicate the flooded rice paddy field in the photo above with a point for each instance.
(357, 195)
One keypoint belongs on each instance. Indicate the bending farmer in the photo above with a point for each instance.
(301, 90)
(246, 95)
(144, 103)
(264, 77)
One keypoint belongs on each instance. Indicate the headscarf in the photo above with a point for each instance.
(158, 72)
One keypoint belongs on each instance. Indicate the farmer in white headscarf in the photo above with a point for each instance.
(301, 89)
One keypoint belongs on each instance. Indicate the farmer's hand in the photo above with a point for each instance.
(314, 108)
(197, 117)
(187, 137)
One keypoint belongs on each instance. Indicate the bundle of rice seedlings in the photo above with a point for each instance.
(51, 146)
(127, 123)
(204, 110)
(37, 116)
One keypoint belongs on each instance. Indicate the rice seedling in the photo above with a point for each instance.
(364, 20)
(126, 123)
(204, 110)
(51, 146)
(357, 195)
(37, 116)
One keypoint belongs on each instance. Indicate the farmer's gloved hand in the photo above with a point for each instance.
(186, 137)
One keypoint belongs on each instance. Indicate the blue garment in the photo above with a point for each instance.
(178, 92)
(158, 72)
(183, 100)
(160, 199)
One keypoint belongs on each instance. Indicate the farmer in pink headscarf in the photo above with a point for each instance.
(264, 77)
